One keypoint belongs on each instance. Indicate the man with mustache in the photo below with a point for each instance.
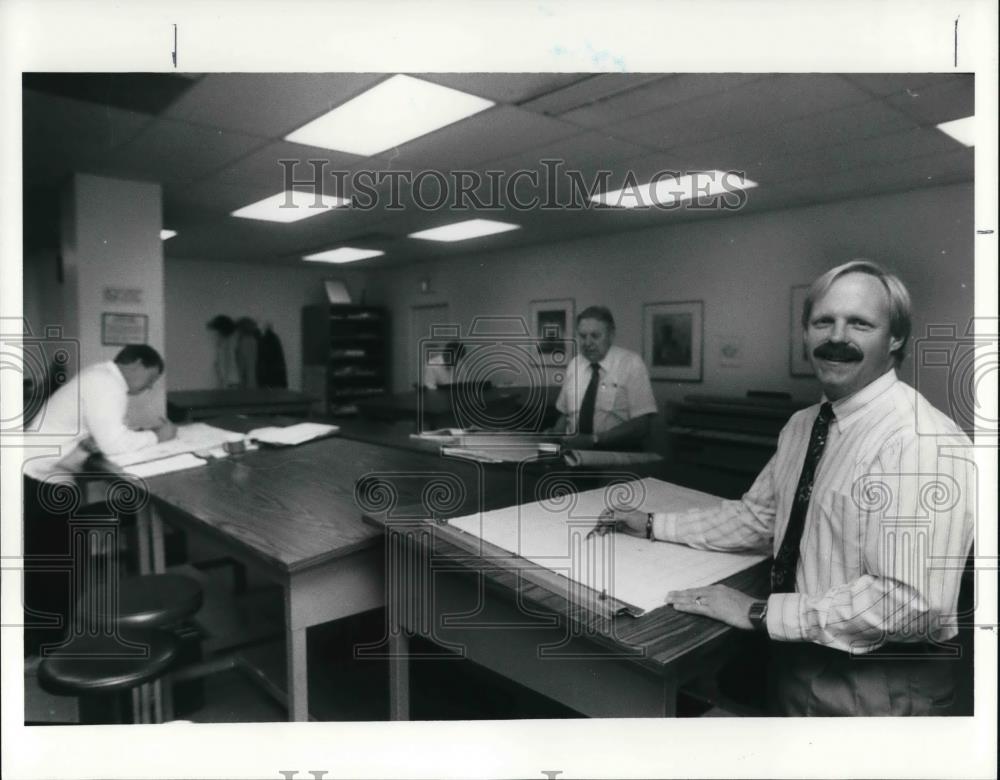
(607, 400)
(869, 521)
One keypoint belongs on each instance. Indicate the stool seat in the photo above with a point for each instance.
(99, 664)
(150, 601)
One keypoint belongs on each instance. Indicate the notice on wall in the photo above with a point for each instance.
(121, 329)
(122, 295)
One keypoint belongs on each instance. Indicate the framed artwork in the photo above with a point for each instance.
(552, 326)
(673, 340)
(798, 355)
(123, 329)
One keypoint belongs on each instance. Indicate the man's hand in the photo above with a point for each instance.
(716, 601)
(610, 521)
(166, 431)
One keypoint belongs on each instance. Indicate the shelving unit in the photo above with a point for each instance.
(345, 354)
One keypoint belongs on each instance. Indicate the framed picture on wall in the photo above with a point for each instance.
(798, 355)
(123, 329)
(672, 340)
(552, 325)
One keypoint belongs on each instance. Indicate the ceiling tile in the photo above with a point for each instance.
(267, 104)
(655, 95)
(62, 124)
(931, 170)
(849, 125)
(890, 83)
(148, 93)
(61, 136)
(953, 99)
(170, 151)
(583, 151)
(759, 104)
(492, 134)
(263, 169)
(510, 88)
(589, 89)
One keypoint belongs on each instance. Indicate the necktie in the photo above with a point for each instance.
(787, 559)
(586, 419)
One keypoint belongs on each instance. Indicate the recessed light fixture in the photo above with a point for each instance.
(165, 234)
(391, 113)
(667, 191)
(344, 254)
(470, 228)
(960, 129)
(277, 209)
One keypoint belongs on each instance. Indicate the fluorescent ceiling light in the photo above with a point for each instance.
(273, 209)
(344, 254)
(960, 129)
(470, 228)
(701, 185)
(165, 234)
(391, 113)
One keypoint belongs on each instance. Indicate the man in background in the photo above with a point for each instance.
(607, 400)
(442, 365)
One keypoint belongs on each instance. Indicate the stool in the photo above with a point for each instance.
(148, 601)
(141, 603)
(108, 665)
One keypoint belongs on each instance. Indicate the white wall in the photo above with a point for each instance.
(741, 267)
(111, 238)
(197, 290)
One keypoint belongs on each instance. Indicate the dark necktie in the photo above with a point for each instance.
(586, 420)
(787, 559)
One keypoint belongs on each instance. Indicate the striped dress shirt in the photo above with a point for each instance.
(889, 526)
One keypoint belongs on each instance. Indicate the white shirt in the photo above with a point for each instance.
(90, 408)
(436, 372)
(888, 529)
(623, 394)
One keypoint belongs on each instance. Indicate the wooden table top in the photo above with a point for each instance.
(295, 507)
(654, 640)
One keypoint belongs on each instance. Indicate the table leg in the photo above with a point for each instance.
(399, 674)
(143, 532)
(156, 539)
(670, 691)
(297, 674)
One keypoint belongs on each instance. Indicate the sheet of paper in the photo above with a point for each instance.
(439, 433)
(165, 465)
(496, 454)
(608, 458)
(552, 533)
(193, 437)
(292, 434)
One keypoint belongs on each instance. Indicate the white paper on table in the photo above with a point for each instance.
(292, 434)
(637, 572)
(192, 437)
(165, 465)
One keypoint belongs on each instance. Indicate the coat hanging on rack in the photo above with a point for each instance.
(271, 371)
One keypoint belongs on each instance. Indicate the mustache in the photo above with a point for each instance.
(832, 350)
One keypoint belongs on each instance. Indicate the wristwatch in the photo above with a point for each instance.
(758, 615)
